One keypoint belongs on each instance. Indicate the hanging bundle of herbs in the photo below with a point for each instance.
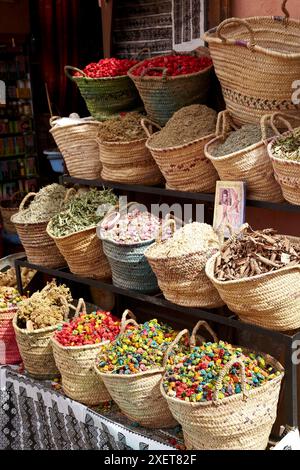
(83, 211)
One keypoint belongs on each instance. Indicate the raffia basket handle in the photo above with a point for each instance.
(69, 193)
(173, 344)
(142, 51)
(164, 71)
(80, 307)
(26, 198)
(131, 321)
(145, 122)
(207, 328)
(68, 68)
(238, 42)
(169, 223)
(224, 124)
(127, 313)
(224, 371)
(53, 120)
(283, 118)
(285, 11)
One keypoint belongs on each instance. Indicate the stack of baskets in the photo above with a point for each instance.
(257, 61)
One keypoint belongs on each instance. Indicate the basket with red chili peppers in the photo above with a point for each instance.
(75, 347)
(105, 87)
(169, 83)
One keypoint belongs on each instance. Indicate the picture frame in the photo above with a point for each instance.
(229, 209)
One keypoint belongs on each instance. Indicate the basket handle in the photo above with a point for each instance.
(224, 124)
(127, 313)
(164, 71)
(285, 10)
(238, 42)
(283, 118)
(169, 223)
(131, 321)
(207, 328)
(80, 306)
(14, 196)
(145, 49)
(69, 193)
(173, 344)
(224, 371)
(26, 198)
(145, 122)
(73, 69)
(53, 120)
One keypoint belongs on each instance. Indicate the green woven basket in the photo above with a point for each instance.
(105, 97)
(163, 96)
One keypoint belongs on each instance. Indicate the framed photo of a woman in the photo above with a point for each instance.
(229, 206)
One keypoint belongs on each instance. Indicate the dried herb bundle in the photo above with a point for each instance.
(82, 211)
(288, 148)
(244, 137)
(47, 307)
(255, 252)
(47, 202)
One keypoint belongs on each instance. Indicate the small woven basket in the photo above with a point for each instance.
(138, 395)
(82, 251)
(105, 97)
(8, 208)
(287, 172)
(79, 147)
(269, 300)
(129, 162)
(257, 62)
(182, 278)
(129, 266)
(9, 352)
(36, 349)
(240, 422)
(185, 167)
(39, 247)
(163, 96)
(76, 366)
(250, 164)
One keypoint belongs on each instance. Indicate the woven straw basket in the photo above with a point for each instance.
(240, 422)
(287, 172)
(8, 209)
(39, 247)
(10, 353)
(270, 300)
(256, 61)
(182, 278)
(129, 162)
(129, 266)
(251, 164)
(79, 147)
(105, 97)
(138, 396)
(76, 366)
(185, 167)
(36, 348)
(82, 251)
(163, 96)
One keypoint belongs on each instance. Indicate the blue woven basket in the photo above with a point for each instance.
(130, 268)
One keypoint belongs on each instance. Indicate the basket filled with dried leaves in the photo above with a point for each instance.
(257, 274)
(35, 322)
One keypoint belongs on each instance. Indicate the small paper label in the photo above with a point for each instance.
(2, 93)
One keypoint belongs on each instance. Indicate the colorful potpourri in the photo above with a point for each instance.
(192, 377)
(9, 299)
(137, 350)
(88, 328)
(175, 65)
(134, 227)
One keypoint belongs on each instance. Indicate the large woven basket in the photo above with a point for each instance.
(251, 164)
(36, 349)
(76, 366)
(270, 300)
(9, 352)
(185, 167)
(8, 208)
(257, 62)
(39, 247)
(240, 422)
(79, 147)
(163, 96)
(138, 396)
(287, 172)
(182, 278)
(105, 97)
(129, 162)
